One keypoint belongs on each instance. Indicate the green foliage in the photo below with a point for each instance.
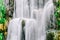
(2, 20)
(1, 36)
(57, 13)
(50, 36)
(2, 12)
(2, 17)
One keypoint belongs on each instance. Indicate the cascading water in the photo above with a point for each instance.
(15, 29)
(29, 9)
(46, 18)
(43, 16)
(21, 9)
(25, 8)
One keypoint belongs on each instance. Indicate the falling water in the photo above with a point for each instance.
(46, 15)
(15, 32)
(43, 17)
(29, 9)
(21, 9)
(25, 8)
(18, 8)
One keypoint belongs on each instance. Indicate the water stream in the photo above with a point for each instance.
(30, 9)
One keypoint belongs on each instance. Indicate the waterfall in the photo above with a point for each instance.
(43, 15)
(15, 29)
(46, 15)
(26, 9)
(36, 5)
(21, 9)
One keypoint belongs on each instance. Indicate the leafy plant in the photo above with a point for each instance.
(1, 36)
(2, 17)
(50, 36)
(57, 14)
